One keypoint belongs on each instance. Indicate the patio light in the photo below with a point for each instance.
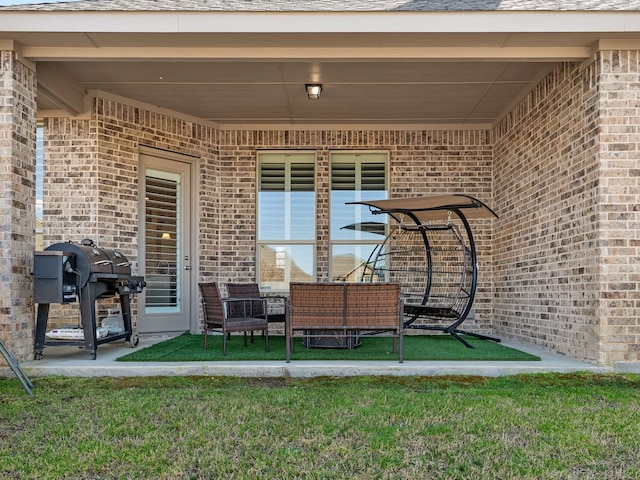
(313, 90)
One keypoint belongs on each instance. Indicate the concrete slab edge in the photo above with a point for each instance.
(303, 370)
(627, 367)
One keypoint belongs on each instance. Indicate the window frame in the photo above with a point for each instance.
(260, 242)
(333, 242)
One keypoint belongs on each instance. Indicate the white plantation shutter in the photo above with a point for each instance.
(359, 176)
(373, 176)
(302, 177)
(273, 177)
(287, 177)
(162, 239)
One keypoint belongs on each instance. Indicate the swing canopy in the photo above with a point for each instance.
(430, 208)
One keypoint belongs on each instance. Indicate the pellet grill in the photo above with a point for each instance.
(68, 272)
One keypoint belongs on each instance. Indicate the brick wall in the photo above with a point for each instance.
(93, 164)
(566, 176)
(17, 202)
(546, 181)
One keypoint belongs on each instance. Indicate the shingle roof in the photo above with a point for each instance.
(333, 5)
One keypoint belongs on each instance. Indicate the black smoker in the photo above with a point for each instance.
(68, 272)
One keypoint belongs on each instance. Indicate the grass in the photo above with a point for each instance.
(578, 426)
(188, 347)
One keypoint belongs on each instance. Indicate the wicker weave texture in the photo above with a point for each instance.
(276, 304)
(212, 305)
(373, 305)
(316, 304)
(245, 290)
(362, 306)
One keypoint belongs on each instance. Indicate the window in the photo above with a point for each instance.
(355, 231)
(286, 219)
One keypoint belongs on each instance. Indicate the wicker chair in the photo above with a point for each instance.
(277, 313)
(220, 316)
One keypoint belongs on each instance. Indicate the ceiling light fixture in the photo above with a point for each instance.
(313, 90)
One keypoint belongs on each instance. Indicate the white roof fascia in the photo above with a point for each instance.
(319, 22)
(542, 54)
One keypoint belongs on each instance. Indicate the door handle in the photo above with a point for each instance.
(187, 267)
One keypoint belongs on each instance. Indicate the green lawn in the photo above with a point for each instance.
(579, 426)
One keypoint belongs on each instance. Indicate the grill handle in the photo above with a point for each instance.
(123, 264)
(103, 262)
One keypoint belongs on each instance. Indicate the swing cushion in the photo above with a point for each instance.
(424, 310)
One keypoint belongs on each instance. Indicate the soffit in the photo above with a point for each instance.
(380, 91)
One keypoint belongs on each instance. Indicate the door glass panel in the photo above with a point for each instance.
(162, 241)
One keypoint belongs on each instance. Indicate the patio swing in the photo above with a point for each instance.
(431, 253)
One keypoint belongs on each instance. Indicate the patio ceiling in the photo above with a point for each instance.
(235, 79)
(273, 91)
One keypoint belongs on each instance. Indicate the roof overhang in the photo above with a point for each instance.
(241, 69)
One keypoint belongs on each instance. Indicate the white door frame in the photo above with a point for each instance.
(190, 304)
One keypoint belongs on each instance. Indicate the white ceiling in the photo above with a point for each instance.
(356, 91)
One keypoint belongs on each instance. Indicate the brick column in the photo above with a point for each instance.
(619, 215)
(17, 202)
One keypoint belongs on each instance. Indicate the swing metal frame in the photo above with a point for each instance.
(438, 272)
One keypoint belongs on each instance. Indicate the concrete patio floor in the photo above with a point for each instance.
(76, 362)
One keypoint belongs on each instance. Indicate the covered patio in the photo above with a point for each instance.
(531, 109)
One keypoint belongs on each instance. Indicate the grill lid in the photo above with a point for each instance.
(91, 260)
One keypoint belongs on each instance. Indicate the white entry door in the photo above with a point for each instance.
(165, 243)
